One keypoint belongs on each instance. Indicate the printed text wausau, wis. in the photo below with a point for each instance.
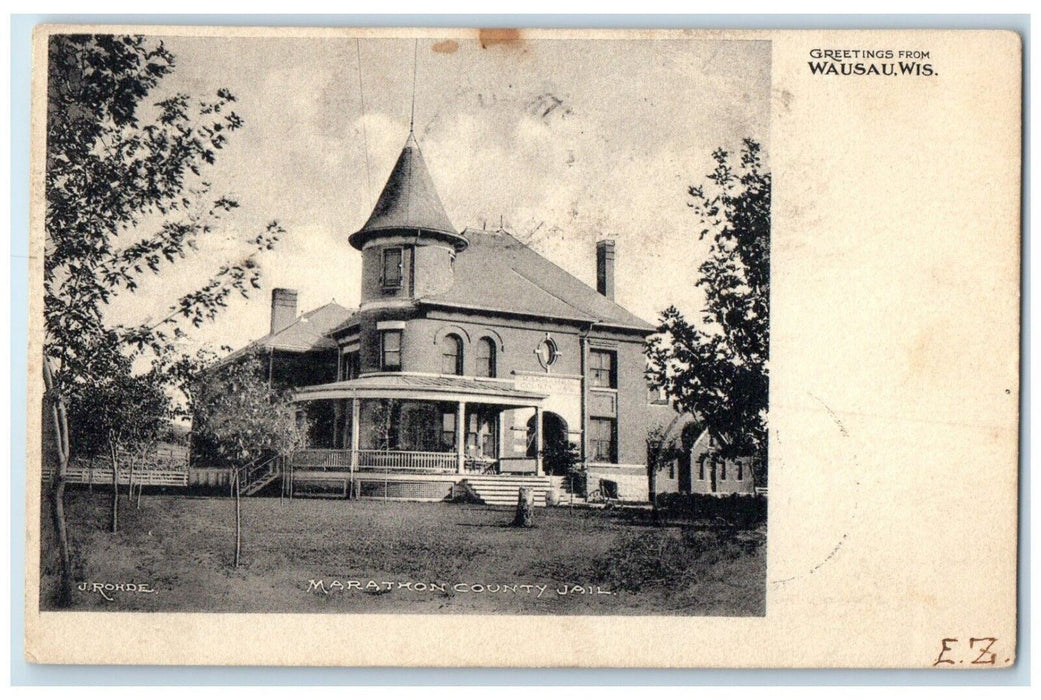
(872, 62)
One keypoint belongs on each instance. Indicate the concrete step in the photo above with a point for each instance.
(504, 490)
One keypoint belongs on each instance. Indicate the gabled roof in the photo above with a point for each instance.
(499, 273)
(410, 202)
(308, 332)
(349, 322)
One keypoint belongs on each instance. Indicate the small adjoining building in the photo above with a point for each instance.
(704, 470)
(471, 362)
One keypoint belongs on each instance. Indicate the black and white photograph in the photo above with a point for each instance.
(374, 324)
(577, 348)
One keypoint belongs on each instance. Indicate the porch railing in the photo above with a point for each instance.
(377, 460)
(431, 462)
(321, 460)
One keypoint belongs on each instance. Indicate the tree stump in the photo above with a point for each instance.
(525, 508)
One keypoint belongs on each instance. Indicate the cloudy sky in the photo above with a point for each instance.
(565, 142)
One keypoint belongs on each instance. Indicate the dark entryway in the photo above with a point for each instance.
(558, 454)
(685, 477)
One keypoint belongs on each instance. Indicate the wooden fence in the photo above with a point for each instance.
(84, 471)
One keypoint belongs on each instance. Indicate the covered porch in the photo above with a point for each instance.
(421, 425)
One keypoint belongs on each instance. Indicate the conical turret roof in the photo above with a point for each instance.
(409, 203)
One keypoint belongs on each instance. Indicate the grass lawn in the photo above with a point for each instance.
(401, 557)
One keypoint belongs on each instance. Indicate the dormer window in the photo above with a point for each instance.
(392, 268)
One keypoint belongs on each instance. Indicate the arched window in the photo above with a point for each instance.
(451, 354)
(485, 357)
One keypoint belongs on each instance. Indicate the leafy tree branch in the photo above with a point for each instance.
(718, 369)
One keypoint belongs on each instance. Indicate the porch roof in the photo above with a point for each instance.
(423, 387)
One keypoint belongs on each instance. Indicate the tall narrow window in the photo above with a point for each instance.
(390, 350)
(448, 430)
(472, 436)
(451, 354)
(602, 439)
(391, 268)
(351, 365)
(602, 369)
(488, 436)
(485, 358)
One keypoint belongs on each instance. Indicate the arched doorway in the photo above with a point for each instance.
(558, 453)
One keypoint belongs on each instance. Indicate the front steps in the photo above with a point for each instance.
(501, 490)
(258, 484)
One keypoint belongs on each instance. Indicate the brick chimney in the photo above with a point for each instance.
(605, 268)
(283, 308)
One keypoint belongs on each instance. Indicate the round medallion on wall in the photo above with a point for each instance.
(546, 352)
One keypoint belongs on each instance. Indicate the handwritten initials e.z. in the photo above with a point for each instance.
(985, 658)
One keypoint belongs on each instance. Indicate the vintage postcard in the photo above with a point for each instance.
(524, 348)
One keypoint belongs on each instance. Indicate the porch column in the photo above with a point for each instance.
(500, 441)
(460, 436)
(345, 427)
(538, 441)
(355, 436)
(339, 423)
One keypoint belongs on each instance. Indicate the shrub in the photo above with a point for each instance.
(670, 559)
(736, 510)
(644, 559)
(560, 457)
(578, 481)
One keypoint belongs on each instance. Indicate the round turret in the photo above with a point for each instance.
(409, 205)
(408, 243)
